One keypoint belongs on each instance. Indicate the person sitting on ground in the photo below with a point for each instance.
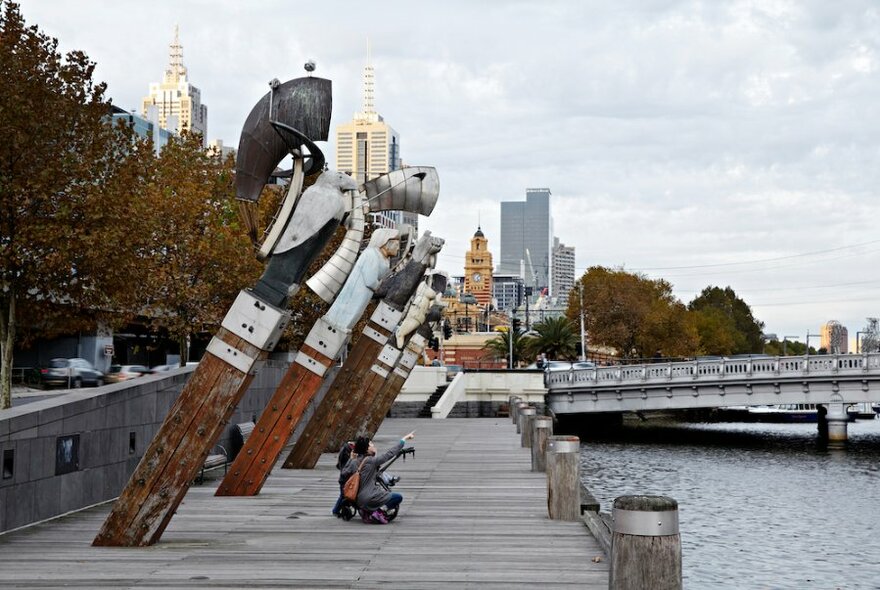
(374, 500)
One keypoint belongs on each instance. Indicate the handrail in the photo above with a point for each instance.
(454, 392)
(715, 369)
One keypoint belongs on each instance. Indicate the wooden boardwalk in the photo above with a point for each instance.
(473, 516)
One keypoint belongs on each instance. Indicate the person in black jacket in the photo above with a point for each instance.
(373, 499)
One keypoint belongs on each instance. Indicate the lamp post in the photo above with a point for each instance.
(510, 341)
(808, 340)
(583, 344)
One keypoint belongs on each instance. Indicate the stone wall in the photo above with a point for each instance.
(78, 449)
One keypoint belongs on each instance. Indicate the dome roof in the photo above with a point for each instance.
(479, 233)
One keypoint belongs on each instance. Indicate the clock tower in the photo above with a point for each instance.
(478, 269)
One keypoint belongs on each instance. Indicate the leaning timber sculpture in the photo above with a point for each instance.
(362, 371)
(286, 121)
(369, 416)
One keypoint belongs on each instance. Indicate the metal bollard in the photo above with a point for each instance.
(527, 415)
(542, 429)
(563, 485)
(645, 544)
(515, 400)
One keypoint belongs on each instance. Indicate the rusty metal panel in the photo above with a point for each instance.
(303, 104)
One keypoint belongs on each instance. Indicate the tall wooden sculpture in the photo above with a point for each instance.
(370, 360)
(410, 340)
(288, 120)
(412, 189)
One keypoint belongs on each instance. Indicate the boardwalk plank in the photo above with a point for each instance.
(474, 516)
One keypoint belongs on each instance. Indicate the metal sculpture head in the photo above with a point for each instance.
(414, 189)
(292, 115)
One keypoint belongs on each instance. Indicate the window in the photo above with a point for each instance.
(8, 463)
(66, 454)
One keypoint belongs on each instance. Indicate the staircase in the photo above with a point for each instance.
(425, 412)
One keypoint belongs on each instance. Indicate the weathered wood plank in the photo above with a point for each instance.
(251, 467)
(336, 405)
(175, 454)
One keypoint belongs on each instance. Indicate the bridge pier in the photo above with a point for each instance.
(836, 425)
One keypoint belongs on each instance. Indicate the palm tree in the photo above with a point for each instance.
(499, 347)
(556, 338)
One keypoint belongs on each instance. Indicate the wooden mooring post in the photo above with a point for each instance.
(527, 416)
(645, 544)
(512, 407)
(542, 429)
(518, 421)
(563, 486)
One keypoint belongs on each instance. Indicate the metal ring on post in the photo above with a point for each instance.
(644, 523)
(559, 444)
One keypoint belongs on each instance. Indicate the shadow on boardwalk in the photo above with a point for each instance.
(473, 516)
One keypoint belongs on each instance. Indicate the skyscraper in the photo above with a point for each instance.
(834, 337)
(563, 271)
(368, 147)
(526, 238)
(177, 103)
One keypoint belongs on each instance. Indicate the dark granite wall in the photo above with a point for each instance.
(104, 420)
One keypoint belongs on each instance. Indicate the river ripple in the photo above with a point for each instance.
(760, 505)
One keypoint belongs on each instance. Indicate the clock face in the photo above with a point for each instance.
(477, 277)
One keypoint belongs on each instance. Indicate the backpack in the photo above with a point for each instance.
(353, 484)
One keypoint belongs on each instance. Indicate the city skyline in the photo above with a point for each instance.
(729, 145)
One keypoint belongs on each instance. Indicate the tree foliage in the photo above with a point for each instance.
(499, 347)
(726, 323)
(62, 201)
(556, 338)
(196, 254)
(633, 314)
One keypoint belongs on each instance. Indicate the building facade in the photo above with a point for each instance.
(143, 127)
(834, 338)
(562, 271)
(177, 103)
(478, 270)
(367, 147)
(526, 239)
(507, 290)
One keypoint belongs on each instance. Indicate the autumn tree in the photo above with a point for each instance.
(633, 314)
(726, 323)
(62, 205)
(196, 255)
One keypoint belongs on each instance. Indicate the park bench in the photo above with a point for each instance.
(219, 456)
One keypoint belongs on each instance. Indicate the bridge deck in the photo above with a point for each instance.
(473, 515)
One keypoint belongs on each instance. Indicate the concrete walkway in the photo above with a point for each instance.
(473, 516)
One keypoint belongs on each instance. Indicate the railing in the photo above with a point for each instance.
(761, 367)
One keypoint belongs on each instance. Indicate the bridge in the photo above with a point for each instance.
(836, 380)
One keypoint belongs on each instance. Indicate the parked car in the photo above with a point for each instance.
(119, 373)
(74, 372)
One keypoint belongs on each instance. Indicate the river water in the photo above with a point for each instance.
(760, 505)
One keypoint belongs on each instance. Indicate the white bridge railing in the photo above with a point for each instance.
(714, 370)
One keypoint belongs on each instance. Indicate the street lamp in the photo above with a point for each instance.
(583, 344)
(808, 340)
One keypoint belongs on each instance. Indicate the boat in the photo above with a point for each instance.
(876, 408)
(861, 411)
(785, 413)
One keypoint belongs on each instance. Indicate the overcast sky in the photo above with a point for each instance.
(707, 143)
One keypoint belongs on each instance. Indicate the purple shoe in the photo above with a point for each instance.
(379, 517)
